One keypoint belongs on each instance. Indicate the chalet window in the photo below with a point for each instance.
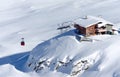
(108, 32)
(96, 32)
(102, 32)
(96, 26)
(99, 22)
(103, 27)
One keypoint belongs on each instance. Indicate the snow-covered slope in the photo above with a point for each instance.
(37, 21)
(67, 54)
(59, 53)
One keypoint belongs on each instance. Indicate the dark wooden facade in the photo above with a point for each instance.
(94, 29)
(91, 30)
(80, 29)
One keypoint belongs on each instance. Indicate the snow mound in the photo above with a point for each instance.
(63, 53)
(66, 54)
(10, 71)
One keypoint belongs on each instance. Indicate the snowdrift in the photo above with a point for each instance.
(66, 54)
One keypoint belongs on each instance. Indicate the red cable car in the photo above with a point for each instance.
(22, 42)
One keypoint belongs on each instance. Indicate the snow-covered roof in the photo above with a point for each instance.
(85, 22)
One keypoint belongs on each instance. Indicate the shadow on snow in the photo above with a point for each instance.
(17, 60)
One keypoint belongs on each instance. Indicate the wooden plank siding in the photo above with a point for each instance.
(81, 29)
(91, 30)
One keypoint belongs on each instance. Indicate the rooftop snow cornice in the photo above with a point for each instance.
(90, 20)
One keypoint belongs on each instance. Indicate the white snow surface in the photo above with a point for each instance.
(90, 20)
(37, 21)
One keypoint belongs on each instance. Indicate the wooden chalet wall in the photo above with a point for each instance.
(91, 30)
(81, 30)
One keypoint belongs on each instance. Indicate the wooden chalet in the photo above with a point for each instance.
(93, 26)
